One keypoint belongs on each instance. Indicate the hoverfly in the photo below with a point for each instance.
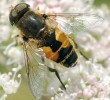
(46, 37)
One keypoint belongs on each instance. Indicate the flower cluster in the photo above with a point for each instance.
(8, 83)
(86, 82)
(99, 37)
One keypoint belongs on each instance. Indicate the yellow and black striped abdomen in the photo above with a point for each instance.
(59, 49)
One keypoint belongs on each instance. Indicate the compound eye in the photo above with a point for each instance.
(20, 7)
(18, 11)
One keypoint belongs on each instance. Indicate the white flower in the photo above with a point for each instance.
(15, 55)
(9, 84)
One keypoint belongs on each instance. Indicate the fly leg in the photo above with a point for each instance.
(76, 45)
(83, 55)
(58, 76)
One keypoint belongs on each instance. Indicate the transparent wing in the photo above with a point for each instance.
(37, 71)
(75, 22)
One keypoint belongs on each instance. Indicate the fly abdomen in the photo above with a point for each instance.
(71, 59)
(63, 52)
(58, 48)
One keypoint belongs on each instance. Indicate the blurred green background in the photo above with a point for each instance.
(23, 92)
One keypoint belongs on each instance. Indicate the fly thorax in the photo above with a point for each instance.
(31, 24)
